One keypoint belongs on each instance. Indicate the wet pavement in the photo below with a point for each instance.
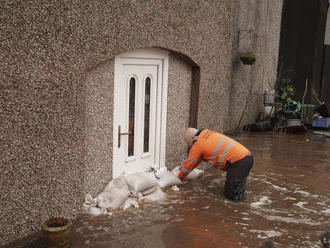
(287, 202)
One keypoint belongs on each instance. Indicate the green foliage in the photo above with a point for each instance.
(284, 90)
(247, 59)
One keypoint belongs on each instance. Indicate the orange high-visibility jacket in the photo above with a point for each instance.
(214, 148)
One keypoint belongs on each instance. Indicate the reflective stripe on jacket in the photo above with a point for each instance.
(214, 148)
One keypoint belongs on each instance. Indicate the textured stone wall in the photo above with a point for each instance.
(327, 31)
(98, 127)
(178, 104)
(56, 88)
(51, 54)
(257, 31)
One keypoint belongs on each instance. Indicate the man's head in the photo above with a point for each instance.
(189, 135)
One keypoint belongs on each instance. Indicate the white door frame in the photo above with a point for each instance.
(151, 54)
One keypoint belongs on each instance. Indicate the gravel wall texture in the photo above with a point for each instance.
(257, 32)
(56, 90)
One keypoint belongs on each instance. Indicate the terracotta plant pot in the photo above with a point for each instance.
(247, 59)
(56, 233)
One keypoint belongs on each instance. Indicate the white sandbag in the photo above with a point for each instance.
(96, 211)
(194, 174)
(140, 181)
(118, 182)
(157, 195)
(89, 201)
(176, 170)
(161, 172)
(86, 207)
(138, 195)
(149, 191)
(114, 194)
(130, 202)
(111, 201)
(166, 178)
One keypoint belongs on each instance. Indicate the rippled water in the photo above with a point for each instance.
(287, 202)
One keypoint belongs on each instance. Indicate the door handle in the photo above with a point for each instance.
(120, 134)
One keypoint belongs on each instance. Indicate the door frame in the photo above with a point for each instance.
(152, 54)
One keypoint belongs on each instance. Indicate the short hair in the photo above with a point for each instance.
(189, 134)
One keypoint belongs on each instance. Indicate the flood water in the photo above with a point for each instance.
(287, 202)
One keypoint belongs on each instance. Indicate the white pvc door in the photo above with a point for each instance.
(138, 113)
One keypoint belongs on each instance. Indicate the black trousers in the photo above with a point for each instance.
(236, 178)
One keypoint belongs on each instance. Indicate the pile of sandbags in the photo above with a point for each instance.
(111, 198)
(140, 181)
(124, 192)
(114, 194)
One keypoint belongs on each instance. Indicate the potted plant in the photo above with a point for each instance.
(247, 58)
(56, 232)
(284, 91)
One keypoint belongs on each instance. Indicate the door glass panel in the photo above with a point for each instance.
(146, 114)
(131, 117)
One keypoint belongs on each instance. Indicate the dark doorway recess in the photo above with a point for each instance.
(325, 83)
(302, 43)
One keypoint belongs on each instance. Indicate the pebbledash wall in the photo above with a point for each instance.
(56, 89)
(256, 30)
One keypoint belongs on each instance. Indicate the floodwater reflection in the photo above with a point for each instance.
(287, 202)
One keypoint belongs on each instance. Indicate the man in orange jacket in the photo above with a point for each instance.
(220, 151)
